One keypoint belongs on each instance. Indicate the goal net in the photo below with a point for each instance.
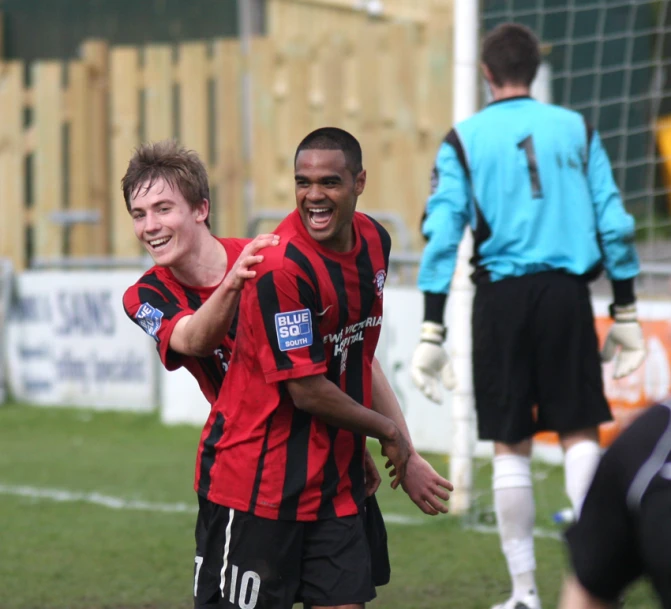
(611, 61)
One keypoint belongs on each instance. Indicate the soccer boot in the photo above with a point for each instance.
(528, 601)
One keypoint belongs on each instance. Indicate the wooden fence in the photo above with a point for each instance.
(67, 129)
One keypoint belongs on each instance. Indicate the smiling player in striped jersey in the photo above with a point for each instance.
(282, 507)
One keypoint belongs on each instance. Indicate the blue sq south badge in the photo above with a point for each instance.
(149, 319)
(294, 329)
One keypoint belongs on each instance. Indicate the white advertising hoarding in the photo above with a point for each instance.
(429, 423)
(182, 401)
(5, 299)
(69, 342)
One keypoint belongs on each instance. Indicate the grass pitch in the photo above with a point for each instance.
(97, 512)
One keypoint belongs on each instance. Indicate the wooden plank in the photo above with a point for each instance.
(437, 111)
(158, 87)
(193, 97)
(230, 167)
(12, 168)
(293, 120)
(351, 102)
(268, 92)
(370, 131)
(125, 135)
(95, 54)
(434, 110)
(78, 164)
(48, 158)
(400, 196)
(326, 96)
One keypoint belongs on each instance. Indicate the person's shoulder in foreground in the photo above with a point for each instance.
(624, 530)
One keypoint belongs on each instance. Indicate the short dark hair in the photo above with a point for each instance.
(179, 167)
(332, 138)
(512, 53)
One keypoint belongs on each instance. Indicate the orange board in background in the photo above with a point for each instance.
(664, 147)
(629, 396)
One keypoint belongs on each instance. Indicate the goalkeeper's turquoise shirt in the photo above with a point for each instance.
(535, 185)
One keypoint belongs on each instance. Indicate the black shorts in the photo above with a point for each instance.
(535, 345)
(247, 562)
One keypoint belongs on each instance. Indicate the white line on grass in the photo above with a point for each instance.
(118, 503)
(115, 503)
(491, 530)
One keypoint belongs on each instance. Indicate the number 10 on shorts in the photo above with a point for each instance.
(250, 584)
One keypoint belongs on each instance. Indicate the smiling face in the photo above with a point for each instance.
(326, 196)
(165, 223)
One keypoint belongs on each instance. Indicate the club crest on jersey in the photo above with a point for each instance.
(294, 329)
(149, 319)
(379, 280)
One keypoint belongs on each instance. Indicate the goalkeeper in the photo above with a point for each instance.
(535, 185)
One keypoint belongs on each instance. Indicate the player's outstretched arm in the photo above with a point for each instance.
(201, 333)
(574, 596)
(323, 399)
(422, 483)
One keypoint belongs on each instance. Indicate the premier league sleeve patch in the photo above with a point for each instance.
(294, 329)
(149, 319)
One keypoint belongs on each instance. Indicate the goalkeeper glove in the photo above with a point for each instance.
(625, 333)
(430, 363)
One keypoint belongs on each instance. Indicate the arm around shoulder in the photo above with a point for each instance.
(202, 332)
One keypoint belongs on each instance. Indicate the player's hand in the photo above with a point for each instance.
(430, 363)
(371, 475)
(625, 342)
(397, 451)
(425, 487)
(248, 257)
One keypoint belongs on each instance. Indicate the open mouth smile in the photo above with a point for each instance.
(320, 217)
(159, 244)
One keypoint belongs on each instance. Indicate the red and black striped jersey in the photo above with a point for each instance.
(309, 311)
(158, 301)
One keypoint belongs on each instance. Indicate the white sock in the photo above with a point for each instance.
(580, 463)
(515, 516)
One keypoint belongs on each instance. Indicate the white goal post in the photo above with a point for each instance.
(464, 104)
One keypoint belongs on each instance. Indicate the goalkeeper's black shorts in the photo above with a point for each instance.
(536, 363)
